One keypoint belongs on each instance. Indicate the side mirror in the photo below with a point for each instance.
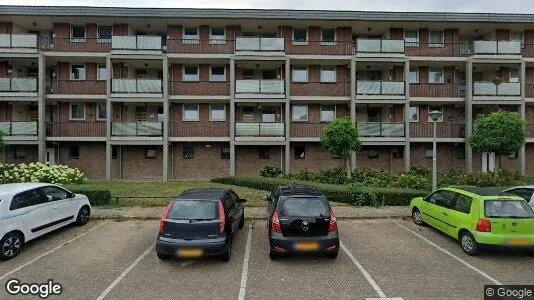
(266, 198)
(242, 200)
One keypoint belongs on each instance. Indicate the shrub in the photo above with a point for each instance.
(421, 171)
(270, 171)
(448, 178)
(412, 181)
(373, 178)
(38, 172)
(96, 197)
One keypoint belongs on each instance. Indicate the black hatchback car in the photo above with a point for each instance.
(301, 221)
(200, 222)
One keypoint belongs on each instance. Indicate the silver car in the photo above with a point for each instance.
(526, 192)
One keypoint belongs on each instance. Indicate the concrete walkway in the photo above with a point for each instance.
(342, 212)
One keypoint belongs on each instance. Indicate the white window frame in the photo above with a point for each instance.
(198, 73)
(293, 74)
(78, 39)
(325, 43)
(416, 69)
(70, 112)
(98, 76)
(416, 120)
(321, 113)
(411, 44)
(192, 40)
(510, 75)
(436, 45)
(211, 111)
(335, 74)
(103, 40)
(183, 112)
(442, 75)
(84, 75)
(211, 73)
(218, 41)
(293, 113)
(300, 42)
(97, 113)
(440, 109)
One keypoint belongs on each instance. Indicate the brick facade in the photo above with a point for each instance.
(91, 158)
(133, 165)
(248, 162)
(206, 164)
(450, 156)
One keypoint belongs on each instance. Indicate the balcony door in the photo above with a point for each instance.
(268, 74)
(488, 162)
(50, 155)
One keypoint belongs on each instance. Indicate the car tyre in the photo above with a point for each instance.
(469, 244)
(83, 216)
(273, 256)
(228, 254)
(332, 255)
(10, 245)
(242, 221)
(163, 256)
(417, 217)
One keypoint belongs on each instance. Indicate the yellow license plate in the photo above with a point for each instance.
(307, 246)
(190, 253)
(519, 242)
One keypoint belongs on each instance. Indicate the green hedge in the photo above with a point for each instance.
(353, 194)
(96, 197)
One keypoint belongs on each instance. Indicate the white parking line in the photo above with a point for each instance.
(124, 273)
(244, 273)
(495, 281)
(49, 251)
(364, 272)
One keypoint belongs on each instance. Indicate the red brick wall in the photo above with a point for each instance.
(8, 156)
(502, 34)
(6, 27)
(62, 30)
(206, 164)
(529, 157)
(136, 167)
(446, 152)
(384, 162)
(396, 33)
(507, 162)
(120, 29)
(93, 168)
(63, 111)
(248, 161)
(316, 158)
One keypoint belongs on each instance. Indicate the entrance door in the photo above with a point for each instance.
(488, 162)
(50, 156)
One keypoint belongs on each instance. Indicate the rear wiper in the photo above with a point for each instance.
(196, 220)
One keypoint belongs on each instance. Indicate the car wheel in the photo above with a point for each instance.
(83, 216)
(228, 254)
(332, 255)
(242, 221)
(10, 245)
(273, 256)
(417, 217)
(163, 256)
(469, 244)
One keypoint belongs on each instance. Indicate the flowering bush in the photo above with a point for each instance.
(38, 172)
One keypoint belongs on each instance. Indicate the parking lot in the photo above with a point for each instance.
(379, 259)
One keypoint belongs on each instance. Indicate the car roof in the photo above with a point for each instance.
(299, 190)
(13, 188)
(202, 194)
(521, 187)
(484, 193)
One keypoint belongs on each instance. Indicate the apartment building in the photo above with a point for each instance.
(191, 94)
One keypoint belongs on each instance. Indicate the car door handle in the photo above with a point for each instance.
(445, 214)
(55, 207)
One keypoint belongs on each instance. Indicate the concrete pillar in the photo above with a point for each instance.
(287, 116)
(522, 113)
(469, 114)
(407, 154)
(108, 160)
(353, 104)
(165, 86)
(41, 98)
(232, 117)
(109, 114)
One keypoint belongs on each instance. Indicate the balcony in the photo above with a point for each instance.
(136, 129)
(497, 47)
(426, 130)
(19, 130)
(201, 46)
(251, 88)
(259, 129)
(259, 44)
(200, 88)
(303, 130)
(74, 44)
(136, 42)
(441, 50)
(328, 89)
(377, 46)
(199, 129)
(435, 90)
(76, 129)
(18, 85)
(379, 129)
(319, 47)
(136, 86)
(76, 87)
(492, 89)
(17, 43)
(393, 88)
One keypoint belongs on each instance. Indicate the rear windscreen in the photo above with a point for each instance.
(189, 209)
(304, 207)
(507, 209)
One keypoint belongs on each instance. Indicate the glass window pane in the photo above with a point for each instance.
(436, 39)
(191, 73)
(328, 74)
(101, 112)
(190, 112)
(77, 112)
(190, 32)
(300, 113)
(104, 32)
(102, 73)
(411, 38)
(413, 113)
(328, 35)
(435, 108)
(436, 76)
(78, 31)
(78, 72)
(217, 112)
(514, 75)
(414, 76)
(300, 34)
(268, 115)
(217, 33)
(328, 113)
(300, 74)
(218, 74)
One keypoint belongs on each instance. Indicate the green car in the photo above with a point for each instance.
(478, 218)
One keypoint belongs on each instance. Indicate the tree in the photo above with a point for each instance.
(340, 138)
(500, 132)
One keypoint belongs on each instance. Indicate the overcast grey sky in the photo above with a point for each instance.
(512, 6)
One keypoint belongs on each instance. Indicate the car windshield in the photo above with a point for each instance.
(193, 210)
(304, 207)
(508, 209)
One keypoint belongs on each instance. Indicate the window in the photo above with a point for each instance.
(414, 76)
(373, 153)
(328, 74)
(54, 193)
(77, 112)
(103, 33)
(217, 112)
(225, 152)
(300, 152)
(435, 39)
(398, 153)
(328, 36)
(218, 73)
(77, 72)
(190, 112)
(190, 73)
(304, 207)
(435, 76)
(114, 152)
(300, 74)
(514, 75)
(77, 34)
(268, 114)
(413, 113)
(190, 35)
(102, 73)
(74, 152)
(264, 153)
(101, 112)
(507, 209)
(188, 152)
(521, 192)
(429, 153)
(513, 155)
(462, 203)
(328, 113)
(300, 36)
(217, 35)
(27, 199)
(435, 108)
(300, 113)
(442, 198)
(411, 38)
(518, 37)
(19, 154)
(150, 152)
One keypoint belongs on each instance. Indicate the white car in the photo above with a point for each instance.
(526, 192)
(29, 210)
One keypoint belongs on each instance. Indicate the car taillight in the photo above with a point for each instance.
(483, 225)
(163, 217)
(222, 218)
(333, 222)
(275, 224)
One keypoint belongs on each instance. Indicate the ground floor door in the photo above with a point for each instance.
(488, 162)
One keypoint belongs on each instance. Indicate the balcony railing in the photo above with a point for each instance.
(259, 129)
(199, 88)
(76, 129)
(28, 84)
(136, 42)
(452, 90)
(440, 49)
(492, 89)
(379, 46)
(320, 89)
(259, 44)
(141, 86)
(148, 129)
(426, 130)
(496, 47)
(378, 129)
(207, 129)
(77, 87)
(319, 47)
(19, 128)
(10, 41)
(307, 129)
(364, 87)
(74, 44)
(260, 86)
(200, 46)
